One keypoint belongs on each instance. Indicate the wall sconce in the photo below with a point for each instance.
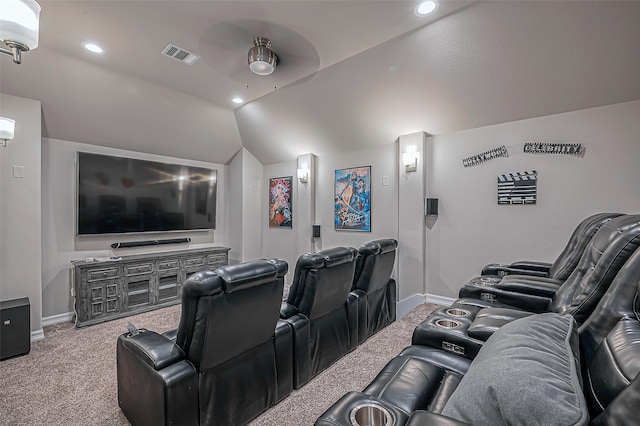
(19, 27)
(7, 128)
(303, 175)
(410, 159)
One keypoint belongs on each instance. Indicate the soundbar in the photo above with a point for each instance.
(129, 244)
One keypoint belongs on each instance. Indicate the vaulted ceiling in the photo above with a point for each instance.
(352, 73)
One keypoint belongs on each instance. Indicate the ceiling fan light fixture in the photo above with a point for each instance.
(262, 60)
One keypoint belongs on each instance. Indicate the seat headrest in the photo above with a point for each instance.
(378, 247)
(327, 258)
(282, 265)
(203, 283)
(246, 275)
(310, 261)
(338, 255)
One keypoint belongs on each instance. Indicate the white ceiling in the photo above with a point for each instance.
(353, 73)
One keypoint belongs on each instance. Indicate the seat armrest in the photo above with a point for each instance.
(157, 385)
(492, 292)
(361, 298)
(339, 414)
(455, 340)
(523, 267)
(153, 349)
(545, 287)
(171, 334)
(283, 341)
(426, 418)
(352, 317)
(301, 349)
(287, 310)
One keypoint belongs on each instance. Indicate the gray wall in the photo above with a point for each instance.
(473, 230)
(20, 208)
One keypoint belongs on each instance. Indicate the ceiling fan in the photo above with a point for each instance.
(228, 45)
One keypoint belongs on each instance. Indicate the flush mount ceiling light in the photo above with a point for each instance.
(426, 7)
(92, 47)
(262, 60)
(19, 26)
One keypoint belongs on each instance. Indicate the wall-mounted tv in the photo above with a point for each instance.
(123, 195)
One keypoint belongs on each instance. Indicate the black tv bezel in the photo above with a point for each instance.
(131, 233)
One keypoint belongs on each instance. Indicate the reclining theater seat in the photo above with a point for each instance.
(467, 323)
(232, 358)
(374, 287)
(507, 289)
(321, 311)
(565, 263)
(540, 369)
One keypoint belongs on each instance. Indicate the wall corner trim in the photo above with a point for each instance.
(439, 300)
(37, 335)
(403, 307)
(57, 319)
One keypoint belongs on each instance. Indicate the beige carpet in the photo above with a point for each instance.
(69, 378)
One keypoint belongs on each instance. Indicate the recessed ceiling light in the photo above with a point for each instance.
(426, 7)
(92, 47)
(237, 100)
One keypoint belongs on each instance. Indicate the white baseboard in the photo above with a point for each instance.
(403, 307)
(37, 335)
(440, 300)
(57, 319)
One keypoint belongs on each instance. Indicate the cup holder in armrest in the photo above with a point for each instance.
(370, 414)
(457, 312)
(447, 323)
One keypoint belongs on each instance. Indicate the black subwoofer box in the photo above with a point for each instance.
(15, 328)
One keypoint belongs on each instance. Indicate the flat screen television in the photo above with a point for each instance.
(125, 195)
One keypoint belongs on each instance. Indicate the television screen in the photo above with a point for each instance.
(118, 195)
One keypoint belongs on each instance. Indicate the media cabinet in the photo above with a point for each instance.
(106, 289)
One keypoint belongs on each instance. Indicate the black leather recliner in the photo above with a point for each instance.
(467, 323)
(231, 360)
(565, 263)
(510, 288)
(374, 287)
(415, 387)
(321, 311)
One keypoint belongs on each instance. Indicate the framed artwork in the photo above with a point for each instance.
(518, 188)
(352, 194)
(280, 202)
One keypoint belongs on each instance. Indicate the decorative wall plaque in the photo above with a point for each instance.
(554, 148)
(474, 160)
(518, 188)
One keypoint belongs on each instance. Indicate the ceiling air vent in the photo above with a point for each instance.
(180, 54)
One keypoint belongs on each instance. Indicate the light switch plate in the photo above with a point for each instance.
(385, 180)
(18, 171)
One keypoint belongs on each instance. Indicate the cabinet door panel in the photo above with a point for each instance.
(138, 291)
(168, 286)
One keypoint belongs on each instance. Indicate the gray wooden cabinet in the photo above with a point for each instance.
(127, 285)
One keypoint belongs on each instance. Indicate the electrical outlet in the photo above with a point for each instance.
(73, 292)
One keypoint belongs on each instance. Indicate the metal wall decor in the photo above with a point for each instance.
(474, 160)
(554, 148)
(518, 188)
